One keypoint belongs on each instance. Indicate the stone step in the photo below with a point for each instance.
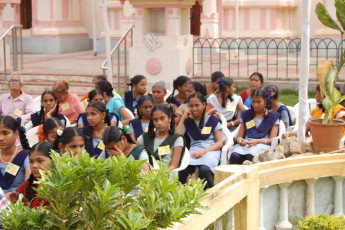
(35, 84)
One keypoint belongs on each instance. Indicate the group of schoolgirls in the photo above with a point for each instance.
(158, 131)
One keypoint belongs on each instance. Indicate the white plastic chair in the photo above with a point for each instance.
(37, 101)
(276, 140)
(228, 140)
(130, 113)
(32, 135)
(184, 164)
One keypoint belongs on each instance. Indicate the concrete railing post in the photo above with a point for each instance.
(310, 205)
(338, 196)
(283, 223)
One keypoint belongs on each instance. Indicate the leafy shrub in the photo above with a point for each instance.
(86, 193)
(322, 222)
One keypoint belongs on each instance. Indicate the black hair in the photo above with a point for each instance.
(102, 109)
(105, 86)
(260, 93)
(11, 123)
(114, 134)
(93, 93)
(216, 75)
(67, 135)
(202, 100)
(319, 105)
(273, 88)
(99, 78)
(225, 82)
(180, 81)
(56, 113)
(51, 123)
(141, 100)
(261, 78)
(168, 110)
(133, 81)
(197, 86)
(44, 148)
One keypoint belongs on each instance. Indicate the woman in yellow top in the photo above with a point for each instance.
(319, 113)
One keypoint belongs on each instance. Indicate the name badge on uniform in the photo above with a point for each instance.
(65, 106)
(18, 112)
(206, 130)
(101, 145)
(250, 124)
(231, 108)
(164, 150)
(12, 169)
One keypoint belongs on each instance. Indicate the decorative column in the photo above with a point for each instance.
(127, 16)
(209, 19)
(56, 27)
(283, 223)
(310, 204)
(163, 46)
(338, 196)
(261, 217)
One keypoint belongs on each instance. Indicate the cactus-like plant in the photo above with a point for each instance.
(327, 84)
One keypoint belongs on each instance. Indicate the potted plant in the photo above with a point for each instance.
(327, 132)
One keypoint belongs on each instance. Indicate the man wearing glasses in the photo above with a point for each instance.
(16, 103)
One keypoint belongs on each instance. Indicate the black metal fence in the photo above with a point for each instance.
(276, 59)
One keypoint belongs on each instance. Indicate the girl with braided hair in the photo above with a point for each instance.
(118, 141)
(50, 127)
(96, 95)
(258, 127)
(163, 143)
(206, 140)
(14, 160)
(49, 108)
(98, 120)
(227, 102)
(70, 140)
(179, 84)
(138, 86)
(140, 125)
(40, 158)
(256, 81)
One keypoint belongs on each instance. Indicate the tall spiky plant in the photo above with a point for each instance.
(332, 95)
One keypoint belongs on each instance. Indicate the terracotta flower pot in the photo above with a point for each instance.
(326, 137)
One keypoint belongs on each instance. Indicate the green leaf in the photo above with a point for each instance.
(330, 80)
(325, 18)
(336, 96)
(340, 5)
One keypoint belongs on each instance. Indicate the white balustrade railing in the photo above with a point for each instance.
(238, 200)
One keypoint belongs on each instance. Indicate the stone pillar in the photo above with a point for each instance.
(283, 223)
(261, 215)
(310, 205)
(209, 19)
(7, 53)
(338, 196)
(56, 27)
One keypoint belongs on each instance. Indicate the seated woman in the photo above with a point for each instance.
(14, 160)
(212, 87)
(40, 158)
(206, 140)
(179, 84)
(256, 81)
(49, 108)
(258, 127)
(319, 113)
(70, 140)
(227, 102)
(96, 95)
(140, 125)
(159, 91)
(95, 80)
(163, 145)
(273, 93)
(114, 104)
(138, 86)
(69, 104)
(117, 142)
(98, 121)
